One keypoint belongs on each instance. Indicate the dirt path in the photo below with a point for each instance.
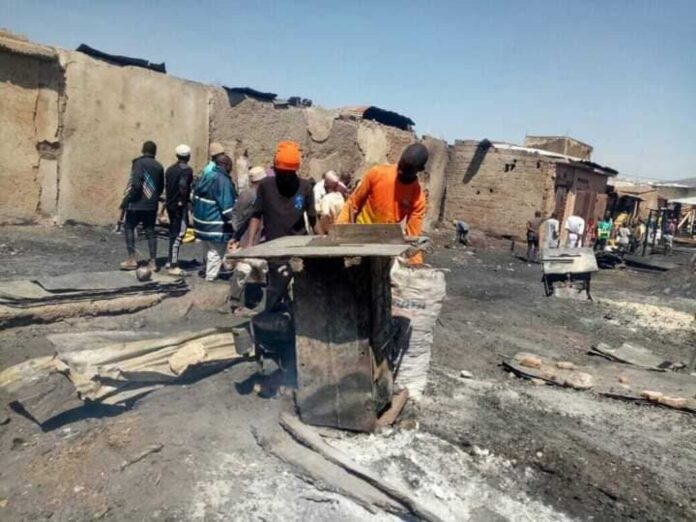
(488, 448)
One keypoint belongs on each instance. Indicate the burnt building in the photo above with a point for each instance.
(497, 187)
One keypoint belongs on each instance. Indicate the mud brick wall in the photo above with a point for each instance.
(435, 180)
(70, 125)
(329, 141)
(110, 112)
(497, 191)
(31, 87)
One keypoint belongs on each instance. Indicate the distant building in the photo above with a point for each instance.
(497, 187)
(560, 144)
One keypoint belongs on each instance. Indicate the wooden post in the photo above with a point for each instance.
(343, 333)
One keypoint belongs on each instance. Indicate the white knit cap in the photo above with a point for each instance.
(183, 150)
(257, 174)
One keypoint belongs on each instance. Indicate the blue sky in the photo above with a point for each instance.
(618, 74)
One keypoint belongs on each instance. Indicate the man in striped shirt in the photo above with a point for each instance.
(213, 202)
(140, 201)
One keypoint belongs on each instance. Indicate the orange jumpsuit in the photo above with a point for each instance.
(382, 198)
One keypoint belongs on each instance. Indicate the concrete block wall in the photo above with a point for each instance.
(498, 191)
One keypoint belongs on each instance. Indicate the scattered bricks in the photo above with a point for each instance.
(565, 365)
(651, 395)
(530, 361)
(579, 380)
(673, 402)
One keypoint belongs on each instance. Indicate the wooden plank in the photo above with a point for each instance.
(334, 362)
(649, 263)
(316, 246)
(326, 475)
(378, 233)
(397, 405)
(305, 435)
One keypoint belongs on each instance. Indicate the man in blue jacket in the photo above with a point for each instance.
(213, 202)
(140, 202)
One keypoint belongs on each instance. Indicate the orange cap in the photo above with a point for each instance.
(287, 156)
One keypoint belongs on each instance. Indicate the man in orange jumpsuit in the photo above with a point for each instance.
(391, 194)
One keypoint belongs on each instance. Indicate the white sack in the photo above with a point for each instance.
(417, 295)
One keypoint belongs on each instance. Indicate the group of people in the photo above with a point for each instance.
(627, 236)
(261, 204)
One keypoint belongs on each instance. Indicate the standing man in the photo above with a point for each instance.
(575, 226)
(533, 226)
(391, 194)
(623, 237)
(215, 151)
(282, 202)
(551, 229)
(213, 201)
(603, 232)
(241, 216)
(140, 202)
(670, 231)
(637, 235)
(177, 183)
(328, 183)
(244, 207)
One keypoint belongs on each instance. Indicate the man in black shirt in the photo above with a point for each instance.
(177, 181)
(282, 202)
(140, 201)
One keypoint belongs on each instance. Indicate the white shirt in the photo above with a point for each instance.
(550, 228)
(331, 205)
(575, 225)
(624, 235)
(319, 193)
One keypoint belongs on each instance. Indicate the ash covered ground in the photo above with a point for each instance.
(491, 447)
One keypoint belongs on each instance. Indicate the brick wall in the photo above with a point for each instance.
(499, 190)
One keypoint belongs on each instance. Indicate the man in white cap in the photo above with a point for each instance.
(177, 183)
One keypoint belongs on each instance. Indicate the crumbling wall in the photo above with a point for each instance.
(497, 190)
(435, 179)
(70, 126)
(31, 85)
(328, 142)
(255, 126)
(110, 112)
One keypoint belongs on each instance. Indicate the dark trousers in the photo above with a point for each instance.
(148, 219)
(178, 223)
(279, 277)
